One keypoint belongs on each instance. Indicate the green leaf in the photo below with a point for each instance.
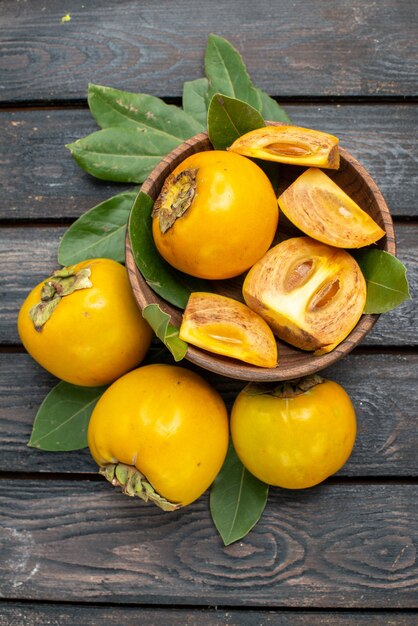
(63, 417)
(387, 285)
(166, 332)
(98, 233)
(196, 100)
(229, 118)
(237, 499)
(227, 73)
(271, 110)
(113, 107)
(122, 154)
(173, 286)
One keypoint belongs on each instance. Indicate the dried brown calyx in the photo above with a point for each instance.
(285, 389)
(175, 198)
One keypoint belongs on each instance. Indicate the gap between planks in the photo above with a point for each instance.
(81, 103)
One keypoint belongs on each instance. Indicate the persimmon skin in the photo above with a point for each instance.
(230, 223)
(294, 442)
(166, 421)
(94, 335)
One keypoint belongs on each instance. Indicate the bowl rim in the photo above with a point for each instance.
(233, 368)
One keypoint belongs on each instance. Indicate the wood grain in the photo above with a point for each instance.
(15, 614)
(28, 255)
(291, 49)
(332, 546)
(386, 412)
(41, 181)
(75, 551)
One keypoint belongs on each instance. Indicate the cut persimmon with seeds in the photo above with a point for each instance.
(290, 144)
(321, 209)
(311, 295)
(225, 326)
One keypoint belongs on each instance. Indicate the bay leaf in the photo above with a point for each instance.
(122, 154)
(173, 286)
(237, 499)
(229, 118)
(98, 233)
(387, 285)
(227, 73)
(166, 332)
(196, 100)
(113, 107)
(271, 110)
(62, 419)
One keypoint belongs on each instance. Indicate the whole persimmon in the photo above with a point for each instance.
(295, 434)
(82, 324)
(161, 433)
(216, 215)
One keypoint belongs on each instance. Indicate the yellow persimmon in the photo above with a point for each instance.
(161, 433)
(296, 434)
(215, 216)
(82, 324)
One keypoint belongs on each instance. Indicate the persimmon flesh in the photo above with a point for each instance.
(311, 295)
(322, 210)
(228, 327)
(289, 144)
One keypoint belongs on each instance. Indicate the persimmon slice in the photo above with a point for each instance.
(290, 144)
(311, 294)
(322, 210)
(228, 327)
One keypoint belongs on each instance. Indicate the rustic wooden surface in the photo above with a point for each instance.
(72, 551)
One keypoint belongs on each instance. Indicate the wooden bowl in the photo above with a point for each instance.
(292, 363)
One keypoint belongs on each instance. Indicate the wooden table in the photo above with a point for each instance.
(72, 550)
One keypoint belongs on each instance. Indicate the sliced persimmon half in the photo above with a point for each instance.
(321, 209)
(225, 326)
(311, 294)
(290, 144)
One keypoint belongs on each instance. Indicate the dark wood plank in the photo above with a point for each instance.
(290, 48)
(15, 614)
(386, 409)
(40, 180)
(28, 255)
(333, 546)
(31, 256)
